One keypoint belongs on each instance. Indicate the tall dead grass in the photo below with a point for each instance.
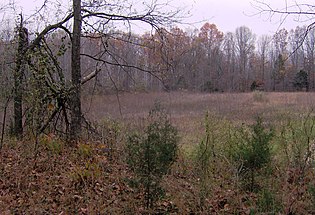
(187, 109)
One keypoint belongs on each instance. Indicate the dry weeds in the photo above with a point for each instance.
(188, 109)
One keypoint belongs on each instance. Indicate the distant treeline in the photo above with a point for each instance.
(204, 59)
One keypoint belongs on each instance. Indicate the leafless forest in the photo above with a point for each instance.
(205, 59)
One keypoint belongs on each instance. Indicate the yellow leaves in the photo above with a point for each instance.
(47, 137)
(50, 107)
(85, 150)
(282, 72)
(87, 175)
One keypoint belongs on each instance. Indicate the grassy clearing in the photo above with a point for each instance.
(210, 175)
(187, 110)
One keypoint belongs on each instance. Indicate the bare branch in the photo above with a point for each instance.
(40, 36)
(90, 76)
(123, 65)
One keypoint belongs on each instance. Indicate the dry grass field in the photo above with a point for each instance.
(188, 109)
(232, 106)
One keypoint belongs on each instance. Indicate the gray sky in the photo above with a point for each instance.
(226, 14)
(230, 14)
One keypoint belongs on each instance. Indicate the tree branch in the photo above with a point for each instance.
(90, 76)
(37, 40)
(123, 65)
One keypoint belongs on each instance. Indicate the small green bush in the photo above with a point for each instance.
(52, 144)
(267, 203)
(205, 152)
(87, 175)
(296, 141)
(253, 152)
(151, 153)
(311, 192)
(204, 158)
(301, 81)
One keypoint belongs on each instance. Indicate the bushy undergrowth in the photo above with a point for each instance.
(253, 152)
(296, 141)
(151, 153)
(267, 202)
(208, 155)
(212, 176)
(257, 164)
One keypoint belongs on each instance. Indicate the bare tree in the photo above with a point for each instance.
(245, 45)
(309, 44)
(264, 43)
(301, 11)
(93, 19)
(279, 57)
(295, 38)
(230, 59)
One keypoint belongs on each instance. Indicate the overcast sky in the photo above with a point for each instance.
(226, 14)
(230, 14)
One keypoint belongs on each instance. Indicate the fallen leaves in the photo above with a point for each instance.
(47, 187)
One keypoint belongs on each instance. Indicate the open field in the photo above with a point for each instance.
(187, 109)
(232, 106)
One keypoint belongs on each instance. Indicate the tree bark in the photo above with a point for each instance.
(75, 103)
(18, 79)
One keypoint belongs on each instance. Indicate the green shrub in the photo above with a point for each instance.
(296, 141)
(204, 158)
(267, 203)
(205, 150)
(253, 152)
(209, 156)
(151, 153)
(311, 192)
(87, 175)
(52, 144)
(301, 81)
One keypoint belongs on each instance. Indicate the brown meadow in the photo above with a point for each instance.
(232, 106)
(187, 109)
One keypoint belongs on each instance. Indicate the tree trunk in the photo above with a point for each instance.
(18, 79)
(75, 103)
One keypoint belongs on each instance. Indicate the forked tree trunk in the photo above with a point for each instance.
(75, 103)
